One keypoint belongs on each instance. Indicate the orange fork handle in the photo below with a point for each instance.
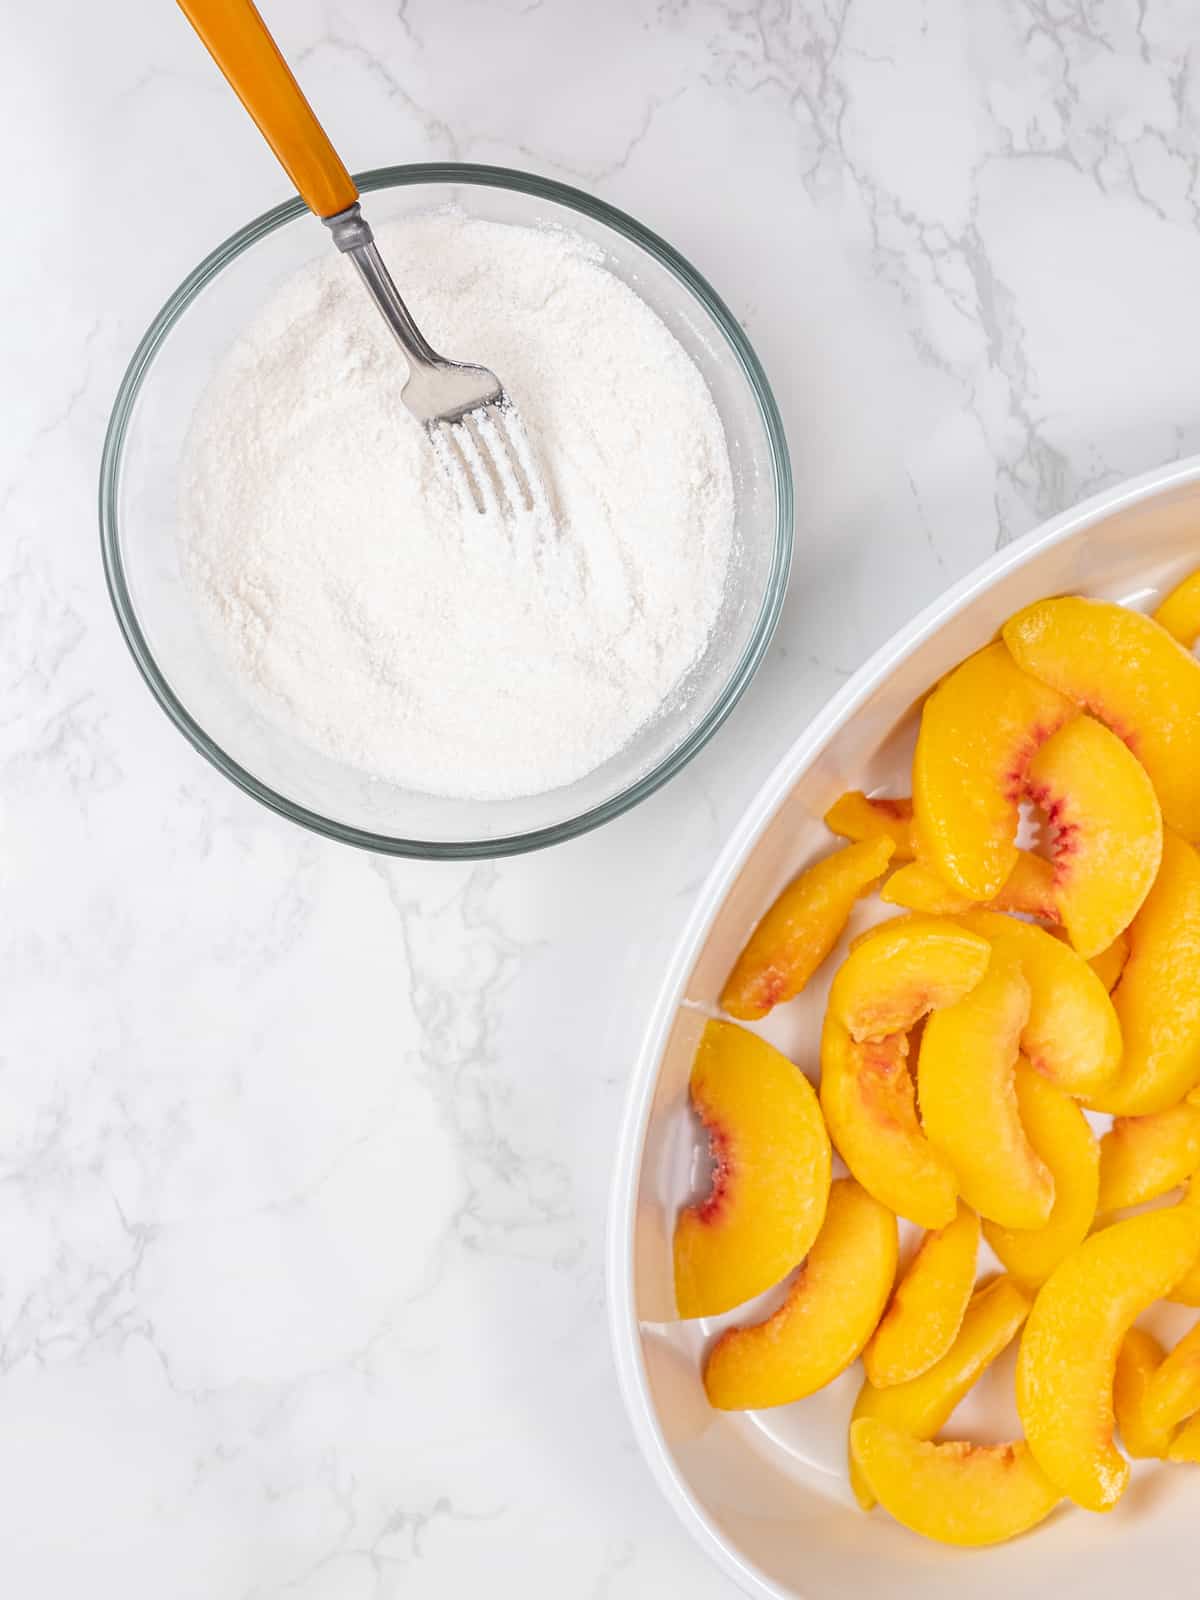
(238, 41)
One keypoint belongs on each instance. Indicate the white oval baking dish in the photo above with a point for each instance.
(766, 1494)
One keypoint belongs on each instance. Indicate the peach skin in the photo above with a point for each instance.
(923, 1405)
(1061, 1135)
(1143, 1157)
(927, 1308)
(955, 1493)
(1127, 670)
(1179, 613)
(969, 1103)
(870, 1108)
(855, 816)
(771, 1172)
(1106, 830)
(899, 970)
(831, 1309)
(980, 728)
(1068, 1354)
(1158, 997)
(1072, 1036)
(1138, 1359)
(801, 928)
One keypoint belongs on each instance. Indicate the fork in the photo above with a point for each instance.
(472, 424)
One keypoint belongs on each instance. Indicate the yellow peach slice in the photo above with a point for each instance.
(1072, 1036)
(1138, 1359)
(979, 731)
(1173, 1391)
(1107, 830)
(831, 1309)
(955, 1493)
(1143, 1157)
(1158, 997)
(922, 1405)
(1179, 613)
(856, 816)
(969, 1103)
(899, 970)
(1110, 963)
(1029, 889)
(1185, 1446)
(1128, 671)
(801, 928)
(1061, 1135)
(771, 1172)
(927, 1308)
(870, 1107)
(1069, 1348)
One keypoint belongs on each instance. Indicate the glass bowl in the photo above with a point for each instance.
(183, 666)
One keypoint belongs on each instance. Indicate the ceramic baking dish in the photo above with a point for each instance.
(765, 1494)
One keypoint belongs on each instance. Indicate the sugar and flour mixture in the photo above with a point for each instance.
(372, 616)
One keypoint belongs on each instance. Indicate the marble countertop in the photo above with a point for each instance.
(304, 1155)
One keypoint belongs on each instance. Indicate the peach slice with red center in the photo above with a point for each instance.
(954, 1493)
(1129, 672)
(968, 1099)
(1068, 1354)
(1107, 830)
(980, 729)
(829, 1314)
(927, 1308)
(924, 1404)
(1061, 1135)
(801, 928)
(771, 1174)
(855, 815)
(1143, 1157)
(1158, 997)
(1138, 1359)
(1072, 1036)
(899, 970)
(1179, 613)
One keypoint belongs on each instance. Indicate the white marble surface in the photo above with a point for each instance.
(304, 1156)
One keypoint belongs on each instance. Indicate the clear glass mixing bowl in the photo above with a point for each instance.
(183, 665)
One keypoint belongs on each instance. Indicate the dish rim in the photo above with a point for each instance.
(480, 176)
(805, 748)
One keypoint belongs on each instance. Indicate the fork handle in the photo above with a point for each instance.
(238, 40)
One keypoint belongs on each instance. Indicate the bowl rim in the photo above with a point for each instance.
(404, 176)
(623, 1323)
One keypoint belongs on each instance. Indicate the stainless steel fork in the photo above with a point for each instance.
(471, 422)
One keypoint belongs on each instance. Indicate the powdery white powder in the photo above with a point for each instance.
(373, 616)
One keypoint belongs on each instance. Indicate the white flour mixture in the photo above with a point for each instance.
(373, 617)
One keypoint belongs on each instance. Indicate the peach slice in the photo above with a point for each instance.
(1143, 1157)
(927, 1308)
(1187, 1291)
(854, 815)
(801, 928)
(969, 1103)
(1029, 889)
(771, 1174)
(1173, 1390)
(1158, 997)
(1110, 963)
(1069, 1349)
(979, 731)
(831, 1309)
(1072, 1036)
(870, 1107)
(1107, 830)
(1179, 613)
(1185, 1446)
(1128, 671)
(1061, 1135)
(1138, 1359)
(956, 1493)
(899, 970)
(923, 1405)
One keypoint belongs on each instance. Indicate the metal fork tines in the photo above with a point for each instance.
(472, 424)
